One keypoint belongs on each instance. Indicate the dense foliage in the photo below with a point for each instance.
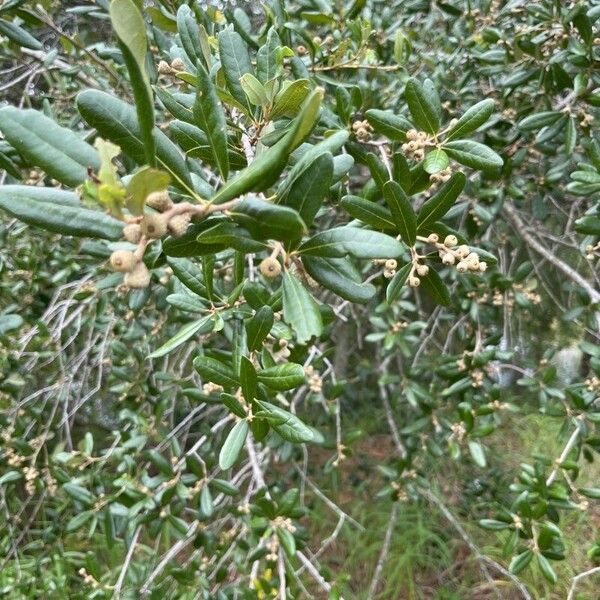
(242, 247)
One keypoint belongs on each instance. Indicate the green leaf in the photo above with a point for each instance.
(289, 99)
(267, 61)
(143, 183)
(195, 143)
(436, 288)
(340, 276)
(258, 327)
(233, 445)
(477, 453)
(536, 121)
(254, 90)
(60, 152)
(367, 211)
(215, 371)
(283, 377)
(360, 243)
(19, 36)
(207, 507)
(397, 282)
(115, 120)
(188, 331)
(493, 525)
(435, 161)
(189, 274)
(378, 171)
(441, 202)
(57, 211)
(402, 212)
(231, 235)
(189, 34)
(385, 122)
(520, 562)
(286, 424)
(210, 116)
(266, 168)
(423, 105)
(545, 568)
(475, 116)
(248, 379)
(235, 61)
(268, 221)
(308, 190)
(300, 310)
(128, 23)
(473, 154)
(288, 543)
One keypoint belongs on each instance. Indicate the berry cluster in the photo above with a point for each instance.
(590, 251)
(441, 176)
(451, 253)
(416, 144)
(362, 130)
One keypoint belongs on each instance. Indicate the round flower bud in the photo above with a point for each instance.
(414, 282)
(422, 270)
(389, 273)
(270, 267)
(462, 267)
(463, 251)
(164, 68)
(154, 226)
(421, 135)
(411, 134)
(132, 233)
(450, 241)
(448, 259)
(412, 146)
(122, 261)
(483, 266)
(178, 224)
(301, 50)
(472, 258)
(433, 238)
(178, 64)
(160, 201)
(139, 277)
(419, 155)
(391, 264)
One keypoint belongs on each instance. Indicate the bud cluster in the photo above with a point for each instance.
(451, 253)
(590, 251)
(362, 130)
(315, 383)
(441, 176)
(416, 144)
(164, 68)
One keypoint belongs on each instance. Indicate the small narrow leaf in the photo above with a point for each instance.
(233, 445)
(402, 212)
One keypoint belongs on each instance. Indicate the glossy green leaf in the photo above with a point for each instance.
(282, 377)
(360, 243)
(402, 212)
(128, 23)
(258, 327)
(369, 212)
(520, 562)
(397, 282)
(473, 154)
(308, 190)
(340, 276)
(18, 35)
(289, 99)
(286, 424)
(201, 326)
(57, 211)
(435, 161)
(233, 445)
(546, 568)
(300, 310)
(473, 118)
(441, 202)
(432, 283)
(215, 371)
(189, 34)
(235, 61)
(385, 122)
(210, 117)
(422, 103)
(268, 221)
(59, 151)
